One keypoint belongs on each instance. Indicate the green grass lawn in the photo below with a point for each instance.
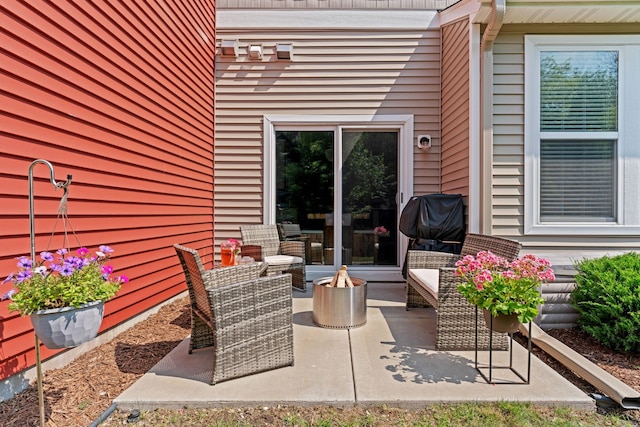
(466, 414)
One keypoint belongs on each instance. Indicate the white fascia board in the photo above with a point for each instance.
(326, 19)
(463, 9)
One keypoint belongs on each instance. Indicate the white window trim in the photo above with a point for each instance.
(337, 123)
(628, 151)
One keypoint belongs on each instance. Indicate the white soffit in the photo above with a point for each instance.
(381, 19)
(565, 12)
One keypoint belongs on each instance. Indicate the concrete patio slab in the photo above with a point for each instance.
(390, 360)
(399, 365)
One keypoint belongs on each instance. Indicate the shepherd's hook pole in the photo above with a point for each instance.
(32, 232)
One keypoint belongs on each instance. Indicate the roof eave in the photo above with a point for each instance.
(564, 12)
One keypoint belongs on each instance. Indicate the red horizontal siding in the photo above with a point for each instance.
(108, 45)
(455, 108)
(121, 96)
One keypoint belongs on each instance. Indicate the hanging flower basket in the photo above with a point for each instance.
(64, 294)
(69, 326)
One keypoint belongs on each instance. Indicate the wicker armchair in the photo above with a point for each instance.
(247, 318)
(312, 248)
(456, 317)
(281, 256)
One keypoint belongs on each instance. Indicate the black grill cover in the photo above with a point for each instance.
(438, 217)
(434, 222)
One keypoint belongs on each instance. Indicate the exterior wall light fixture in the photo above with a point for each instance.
(423, 142)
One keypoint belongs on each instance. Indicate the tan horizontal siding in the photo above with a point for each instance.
(333, 73)
(508, 143)
(508, 148)
(557, 312)
(120, 96)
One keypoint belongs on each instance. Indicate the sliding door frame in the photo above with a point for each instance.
(403, 124)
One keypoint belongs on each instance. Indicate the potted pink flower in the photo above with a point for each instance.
(501, 287)
(381, 231)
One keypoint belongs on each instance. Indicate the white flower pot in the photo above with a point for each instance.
(69, 326)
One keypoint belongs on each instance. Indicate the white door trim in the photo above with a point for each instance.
(402, 123)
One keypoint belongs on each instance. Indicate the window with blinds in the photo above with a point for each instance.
(577, 180)
(578, 94)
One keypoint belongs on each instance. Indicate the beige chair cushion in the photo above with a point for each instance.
(427, 277)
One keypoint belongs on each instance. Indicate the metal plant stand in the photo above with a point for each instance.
(32, 233)
(510, 367)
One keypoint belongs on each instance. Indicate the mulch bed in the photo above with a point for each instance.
(80, 392)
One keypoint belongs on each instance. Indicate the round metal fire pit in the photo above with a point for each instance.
(339, 308)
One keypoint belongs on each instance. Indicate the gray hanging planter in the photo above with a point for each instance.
(69, 326)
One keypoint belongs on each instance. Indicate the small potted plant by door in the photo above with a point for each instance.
(507, 292)
(64, 294)
(384, 247)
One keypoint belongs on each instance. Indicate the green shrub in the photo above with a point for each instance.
(607, 296)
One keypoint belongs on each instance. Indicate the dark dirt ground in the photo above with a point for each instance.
(79, 393)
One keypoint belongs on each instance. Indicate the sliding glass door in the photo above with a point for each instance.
(369, 191)
(341, 187)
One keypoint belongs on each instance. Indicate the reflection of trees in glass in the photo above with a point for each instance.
(369, 171)
(305, 174)
(579, 91)
(305, 160)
